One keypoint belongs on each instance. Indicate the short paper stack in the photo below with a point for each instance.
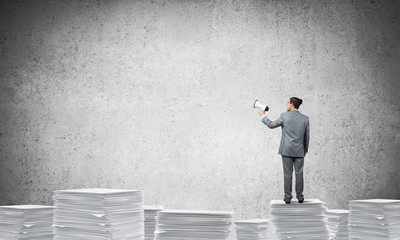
(305, 220)
(251, 229)
(338, 220)
(193, 224)
(26, 222)
(97, 213)
(376, 219)
(150, 213)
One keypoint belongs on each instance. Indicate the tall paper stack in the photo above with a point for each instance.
(193, 224)
(375, 219)
(305, 220)
(97, 213)
(251, 229)
(26, 222)
(338, 220)
(150, 213)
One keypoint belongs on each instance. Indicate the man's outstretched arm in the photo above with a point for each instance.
(272, 124)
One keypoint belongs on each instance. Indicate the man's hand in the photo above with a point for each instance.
(305, 154)
(261, 112)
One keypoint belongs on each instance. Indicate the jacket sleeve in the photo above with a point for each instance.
(306, 137)
(272, 124)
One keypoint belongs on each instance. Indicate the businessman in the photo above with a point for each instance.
(294, 145)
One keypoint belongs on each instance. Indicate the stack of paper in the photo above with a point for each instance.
(251, 229)
(338, 220)
(374, 219)
(305, 220)
(150, 213)
(26, 222)
(271, 233)
(193, 224)
(98, 214)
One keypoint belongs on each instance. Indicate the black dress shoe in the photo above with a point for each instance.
(301, 201)
(287, 202)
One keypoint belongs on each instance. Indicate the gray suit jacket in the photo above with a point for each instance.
(295, 132)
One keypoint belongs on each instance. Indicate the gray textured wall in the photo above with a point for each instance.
(157, 95)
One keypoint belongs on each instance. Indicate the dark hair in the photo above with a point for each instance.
(296, 102)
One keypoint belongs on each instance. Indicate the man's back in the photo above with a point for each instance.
(295, 133)
(294, 140)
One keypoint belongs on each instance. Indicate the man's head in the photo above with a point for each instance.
(293, 103)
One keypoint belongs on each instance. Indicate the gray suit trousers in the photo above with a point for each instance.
(288, 163)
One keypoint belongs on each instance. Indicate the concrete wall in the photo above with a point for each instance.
(157, 95)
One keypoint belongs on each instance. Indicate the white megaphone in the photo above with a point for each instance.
(261, 106)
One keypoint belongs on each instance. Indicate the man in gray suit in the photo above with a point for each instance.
(294, 145)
